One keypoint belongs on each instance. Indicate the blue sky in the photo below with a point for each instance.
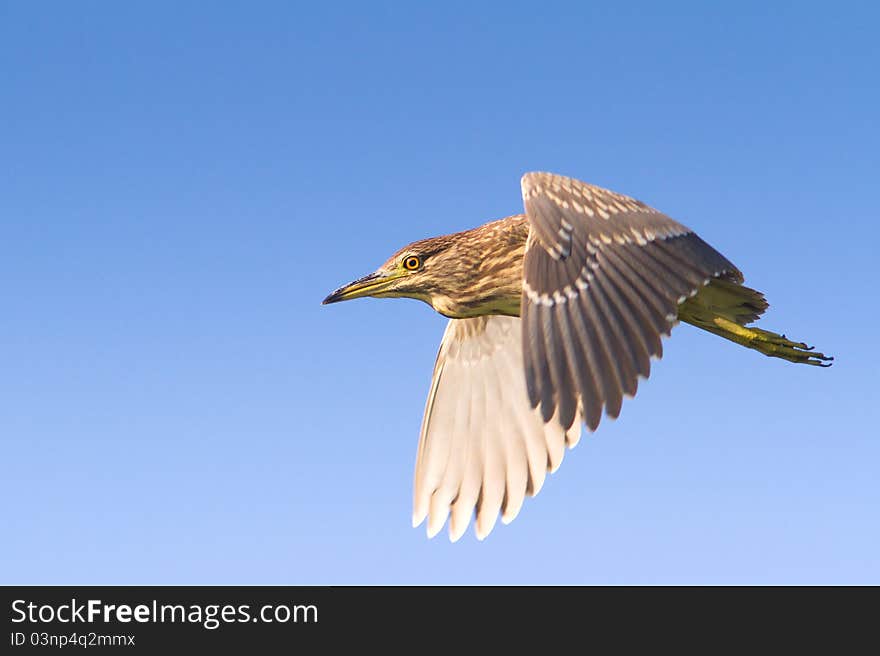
(182, 183)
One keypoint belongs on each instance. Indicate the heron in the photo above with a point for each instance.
(554, 316)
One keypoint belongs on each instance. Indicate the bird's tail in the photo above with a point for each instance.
(724, 308)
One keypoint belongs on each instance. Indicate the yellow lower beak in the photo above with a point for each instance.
(367, 286)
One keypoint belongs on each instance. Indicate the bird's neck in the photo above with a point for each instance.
(508, 305)
(488, 276)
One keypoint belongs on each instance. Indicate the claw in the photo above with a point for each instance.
(772, 344)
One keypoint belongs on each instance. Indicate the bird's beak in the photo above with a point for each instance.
(369, 285)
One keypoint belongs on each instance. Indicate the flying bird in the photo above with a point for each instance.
(554, 315)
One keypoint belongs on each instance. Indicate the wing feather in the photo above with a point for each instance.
(583, 362)
(483, 447)
(603, 277)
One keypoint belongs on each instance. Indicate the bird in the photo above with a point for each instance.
(555, 314)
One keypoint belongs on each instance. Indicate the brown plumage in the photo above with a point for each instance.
(598, 279)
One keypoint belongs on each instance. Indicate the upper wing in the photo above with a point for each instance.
(482, 445)
(603, 277)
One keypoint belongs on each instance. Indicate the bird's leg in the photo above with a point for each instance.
(769, 343)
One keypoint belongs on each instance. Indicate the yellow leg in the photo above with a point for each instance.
(768, 343)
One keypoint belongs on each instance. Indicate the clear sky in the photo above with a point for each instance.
(182, 183)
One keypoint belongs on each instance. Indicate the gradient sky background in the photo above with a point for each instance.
(182, 183)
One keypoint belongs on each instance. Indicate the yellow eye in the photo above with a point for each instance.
(412, 263)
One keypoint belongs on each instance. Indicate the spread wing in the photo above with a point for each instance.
(482, 447)
(603, 277)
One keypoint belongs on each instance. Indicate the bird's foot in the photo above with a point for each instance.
(773, 344)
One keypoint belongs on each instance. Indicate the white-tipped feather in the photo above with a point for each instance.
(529, 425)
(463, 506)
(517, 476)
(465, 412)
(554, 434)
(482, 446)
(439, 510)
(468, 490)
(494, 477)
(435, 422)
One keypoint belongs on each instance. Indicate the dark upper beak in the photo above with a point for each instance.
(355, 289)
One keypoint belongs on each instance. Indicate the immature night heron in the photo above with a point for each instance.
(597, 278)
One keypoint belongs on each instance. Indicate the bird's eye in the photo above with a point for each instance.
(412, 263)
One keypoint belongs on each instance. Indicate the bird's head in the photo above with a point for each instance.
(417, 270)
(457, 275)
